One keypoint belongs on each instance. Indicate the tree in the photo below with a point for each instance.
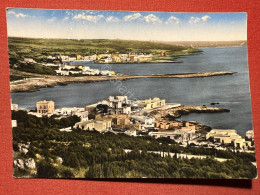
(71, 160)
(46, 170)
(67, 174)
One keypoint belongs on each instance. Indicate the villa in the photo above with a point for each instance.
(151, 103)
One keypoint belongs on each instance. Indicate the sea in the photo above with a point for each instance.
(229, 91)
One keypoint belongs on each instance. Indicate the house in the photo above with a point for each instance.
(177, 135)
(14, 123)
(91, 72)
(45, 107)
(131, 133)
(122, 119)
(117, 105)
(151, 103)
(72, 58)
(83, 115)
(116, 59)
(85, 68)
(99, 125)
(79, 57)
(85, 125)
(90, 58)
(69, 67)
(144, 58)
(14, 106)
(241, 143)
(162, 54)
(132, 58)
(29, 60)
(164, 124)
(228, 136)
(250, 135)
(188, 126)
(146, 121)
(105, 72)
(51, 58)
(62, 72)
(102, 125)
(224, 136)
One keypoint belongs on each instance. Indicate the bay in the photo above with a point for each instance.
(230, 91)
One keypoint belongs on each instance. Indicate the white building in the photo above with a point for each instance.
(62, 72)
(250, 135)
(177, 135)
(14, 106)
(117, 105)
(14, 123)
(90, 58)
(29, 60)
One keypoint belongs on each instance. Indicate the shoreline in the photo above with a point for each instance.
(38, 81)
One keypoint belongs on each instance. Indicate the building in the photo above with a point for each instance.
(151, 103)
(177, 135)
(62, 72)
(146, 121)
(144, 58)
(241, 143)
(250, 135)
(188, 126)
(98, 125)
(116, 59)
(102, 125)
(29, 60)
(90, 58)
(122, 119)
(85, 125)
(14, 123)
(228, 136)
(164, 124)
(14, 106)
(224, 136)
(117, 105)
(79, 57)
(131, 133)
(162, 54)
(45, 107)
(83, 115)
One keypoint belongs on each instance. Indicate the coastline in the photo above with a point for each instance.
(38, 81)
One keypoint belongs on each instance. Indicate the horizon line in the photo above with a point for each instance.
(123, 39)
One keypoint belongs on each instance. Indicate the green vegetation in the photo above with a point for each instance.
(36, 68)
(92, 154)
(39, 49)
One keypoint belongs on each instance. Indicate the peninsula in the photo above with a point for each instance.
(33, 82)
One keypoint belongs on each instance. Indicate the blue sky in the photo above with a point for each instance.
(156, 26)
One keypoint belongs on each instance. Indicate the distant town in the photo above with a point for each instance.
(150, 117)
(64, 67)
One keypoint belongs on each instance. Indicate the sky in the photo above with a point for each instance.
(148, 26)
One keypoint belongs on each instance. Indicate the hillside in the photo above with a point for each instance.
(39, 49)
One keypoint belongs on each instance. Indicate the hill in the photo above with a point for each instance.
(39, 49)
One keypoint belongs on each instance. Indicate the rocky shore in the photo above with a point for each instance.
(171, 114)
(37, 81)
(183, 110)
